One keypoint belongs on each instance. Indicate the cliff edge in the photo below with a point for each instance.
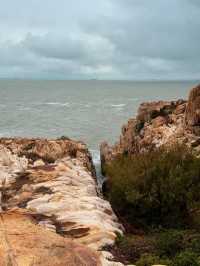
(156, 124)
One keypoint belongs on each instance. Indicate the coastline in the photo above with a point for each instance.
(54, 184)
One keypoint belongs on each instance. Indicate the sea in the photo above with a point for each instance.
(91, 110)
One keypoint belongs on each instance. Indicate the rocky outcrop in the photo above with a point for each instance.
(23, 243)
(50, 186)
(192, 114)
(49, 150)
(156, 124)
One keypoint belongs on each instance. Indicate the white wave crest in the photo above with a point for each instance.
(57, 103)
(121, 105)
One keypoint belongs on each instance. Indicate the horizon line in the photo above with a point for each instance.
(94, 80)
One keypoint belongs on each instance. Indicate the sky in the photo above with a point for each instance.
(100, 39)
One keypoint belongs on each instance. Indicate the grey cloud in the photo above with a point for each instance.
(105, 38)
(86, 48)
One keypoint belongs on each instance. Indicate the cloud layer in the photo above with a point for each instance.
(105, 39)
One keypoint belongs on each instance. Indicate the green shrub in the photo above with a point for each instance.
(186, 259)
(133, 247)
(168, 247)
(192, 241)
(195, 245)
(149, 260)
(169, 243)
(156, 188)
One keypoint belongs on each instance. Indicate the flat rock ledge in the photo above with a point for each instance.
(50, 210)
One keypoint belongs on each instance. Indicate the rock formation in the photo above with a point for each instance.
(23, 243)
(192, 115)
(51, 213)
(157, 124)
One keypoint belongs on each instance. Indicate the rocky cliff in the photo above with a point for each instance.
(50, 211)
(157, 124)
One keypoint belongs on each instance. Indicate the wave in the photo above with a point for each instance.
(57, 103)
(25, 108)
(95, 156)
(97, 163)
(118, 105)
(5, 134)
(134, 99)
(87, 105)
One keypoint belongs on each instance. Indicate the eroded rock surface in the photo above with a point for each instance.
(53, 181)
(192, 114)
(24, 243)
(156, 124)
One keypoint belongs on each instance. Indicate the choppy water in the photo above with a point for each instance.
(91, 111)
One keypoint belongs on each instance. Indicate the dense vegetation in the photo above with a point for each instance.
(157, 193)
(158, 188)
(168, 247)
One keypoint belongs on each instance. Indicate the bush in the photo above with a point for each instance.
(169, 243)
(133, 247)
(194, 243)
(159, 247)
(149, 260)
(155, 188)
(186, 259)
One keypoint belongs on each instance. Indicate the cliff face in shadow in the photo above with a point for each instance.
(156, 124)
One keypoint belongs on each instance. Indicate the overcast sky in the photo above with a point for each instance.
(104, 39)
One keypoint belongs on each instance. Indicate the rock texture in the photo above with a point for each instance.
(24, 243)
(156, 124)
(50, 186)
(192, 115)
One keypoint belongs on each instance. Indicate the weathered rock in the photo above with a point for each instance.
(39, 162)
(60, 195)
(192, 115)
(158, 123)
(49, 150)
(151, 110)
(24, 243)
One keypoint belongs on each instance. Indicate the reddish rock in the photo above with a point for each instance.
(151, 110)
(180, 109)
(159, 121)
(59, 195)
(156, 124)
(192, 114)
(24, 243)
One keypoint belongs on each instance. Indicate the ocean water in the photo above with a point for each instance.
(91, 111)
